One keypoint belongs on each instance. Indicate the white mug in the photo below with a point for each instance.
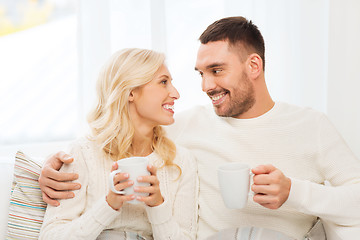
(135, 167)
(234, 183)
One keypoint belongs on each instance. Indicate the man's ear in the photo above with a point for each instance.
(254, 65)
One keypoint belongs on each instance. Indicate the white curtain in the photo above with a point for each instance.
(311, 48)
(312, 56)
(47, 79)
(343, 82)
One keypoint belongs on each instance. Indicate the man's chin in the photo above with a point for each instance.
(221, 112)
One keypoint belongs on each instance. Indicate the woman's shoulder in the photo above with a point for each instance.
(82, 144)
(84, 150)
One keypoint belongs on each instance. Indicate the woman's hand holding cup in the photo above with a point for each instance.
(133, 180)
(117, 200)
(155, 198)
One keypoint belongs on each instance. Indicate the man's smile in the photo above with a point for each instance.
(218, 98)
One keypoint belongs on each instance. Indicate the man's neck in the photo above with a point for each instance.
(263, 101)
(257, 110)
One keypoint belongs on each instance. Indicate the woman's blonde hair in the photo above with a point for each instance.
(110, 121)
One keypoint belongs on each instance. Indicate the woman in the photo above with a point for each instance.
(135, 97)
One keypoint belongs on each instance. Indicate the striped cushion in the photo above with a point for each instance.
(27, 208)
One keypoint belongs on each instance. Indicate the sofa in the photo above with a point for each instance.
(38, 153)
(6, 172)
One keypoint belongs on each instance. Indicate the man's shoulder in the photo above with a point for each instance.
(195, 111)
(191, 118)
(199, 113)
(298, 111)
(184, 156)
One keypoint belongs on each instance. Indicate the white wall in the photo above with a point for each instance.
(343, 95)
(94, 49)
(295, 34)
(311, 49)
(312, 56)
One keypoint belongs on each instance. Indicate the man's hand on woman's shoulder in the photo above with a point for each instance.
(54, 184)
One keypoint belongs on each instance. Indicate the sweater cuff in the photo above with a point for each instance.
(298, 192)
(159, 214)
(103, 213)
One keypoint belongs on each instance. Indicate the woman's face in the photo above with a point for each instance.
(153, 103)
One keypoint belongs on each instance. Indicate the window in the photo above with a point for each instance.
(51, 55)
(38, 87)
(163, 26)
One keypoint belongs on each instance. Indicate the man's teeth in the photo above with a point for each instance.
(171, 107)
(215, 98)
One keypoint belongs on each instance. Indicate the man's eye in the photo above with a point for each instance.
(216, 71)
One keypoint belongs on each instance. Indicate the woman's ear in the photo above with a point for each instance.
(131, 96)
(254, 65)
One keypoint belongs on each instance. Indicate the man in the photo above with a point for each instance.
(292, 150)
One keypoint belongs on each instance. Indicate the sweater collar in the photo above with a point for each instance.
(258, 119)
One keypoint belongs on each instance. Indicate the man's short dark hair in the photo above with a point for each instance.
(239, 32)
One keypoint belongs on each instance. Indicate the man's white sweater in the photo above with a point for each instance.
(300, 142)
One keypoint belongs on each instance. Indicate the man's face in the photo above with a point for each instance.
(224, 79)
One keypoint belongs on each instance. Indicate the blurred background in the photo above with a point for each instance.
(51, 52)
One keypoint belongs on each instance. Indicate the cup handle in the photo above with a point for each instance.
(111, 182)
(251, 193)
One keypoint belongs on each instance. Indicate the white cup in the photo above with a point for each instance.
(135, 167)
(234, 183)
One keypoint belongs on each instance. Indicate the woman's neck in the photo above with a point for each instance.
(142, 144)
(144, 132)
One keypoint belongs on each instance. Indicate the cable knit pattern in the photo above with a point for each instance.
(88, 216)
(299, 141)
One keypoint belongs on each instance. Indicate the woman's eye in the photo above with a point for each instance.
(164, 82)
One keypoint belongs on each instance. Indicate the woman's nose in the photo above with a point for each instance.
(174, 93)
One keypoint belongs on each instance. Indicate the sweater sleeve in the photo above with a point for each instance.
(71, 220)
(178, 221)
(337, 203)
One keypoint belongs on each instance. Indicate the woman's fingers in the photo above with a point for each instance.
(150, 190)
(152, 169)
(121, 181)
(154, 185)
(122, 185)
(114, 166)
(155, 198)
(119, 177)
(153, 180)
(116, 201)
(152, 200)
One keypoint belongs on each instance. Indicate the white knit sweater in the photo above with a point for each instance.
(301, 142)
(88, 215)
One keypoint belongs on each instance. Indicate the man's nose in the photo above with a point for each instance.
(207, 83)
